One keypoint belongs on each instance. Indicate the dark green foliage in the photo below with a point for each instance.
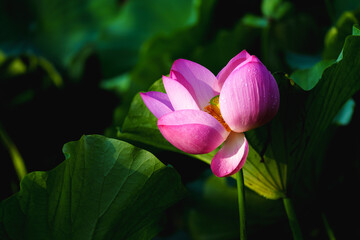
(96, 193)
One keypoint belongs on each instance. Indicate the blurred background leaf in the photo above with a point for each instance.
(335, 37)
(115, 31)
(15, 71)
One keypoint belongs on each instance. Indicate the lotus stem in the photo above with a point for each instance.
(294, 224)
(241, 202)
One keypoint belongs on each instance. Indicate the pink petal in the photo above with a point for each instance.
(157, 102)
(232, 64)
(231, 157)
(200, 78)
(192, 131)
(249, 97)
(180, 96)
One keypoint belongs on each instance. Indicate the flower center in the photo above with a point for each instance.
(214, 110)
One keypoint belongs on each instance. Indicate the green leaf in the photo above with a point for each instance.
(356, 30)
(308, 78)
(265, 176)
(105, 189)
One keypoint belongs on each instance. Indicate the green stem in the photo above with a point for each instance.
(241, 202)
(15, 155)
(294, 224)
(329, 231)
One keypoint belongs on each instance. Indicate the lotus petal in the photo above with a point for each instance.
(231, 157)
(180, 97)
(249, 97)
(157, 102)
(203, 82)
(192, 131)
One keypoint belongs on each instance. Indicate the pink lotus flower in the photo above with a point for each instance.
(201, 111)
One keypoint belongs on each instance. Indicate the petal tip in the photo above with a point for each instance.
(164, 77)
(143, 94)
(157, 102)
(244, 52)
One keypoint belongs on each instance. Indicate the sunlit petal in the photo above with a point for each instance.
(249, 97)
(231, 157)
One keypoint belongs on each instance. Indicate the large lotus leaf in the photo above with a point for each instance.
(105, 189)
